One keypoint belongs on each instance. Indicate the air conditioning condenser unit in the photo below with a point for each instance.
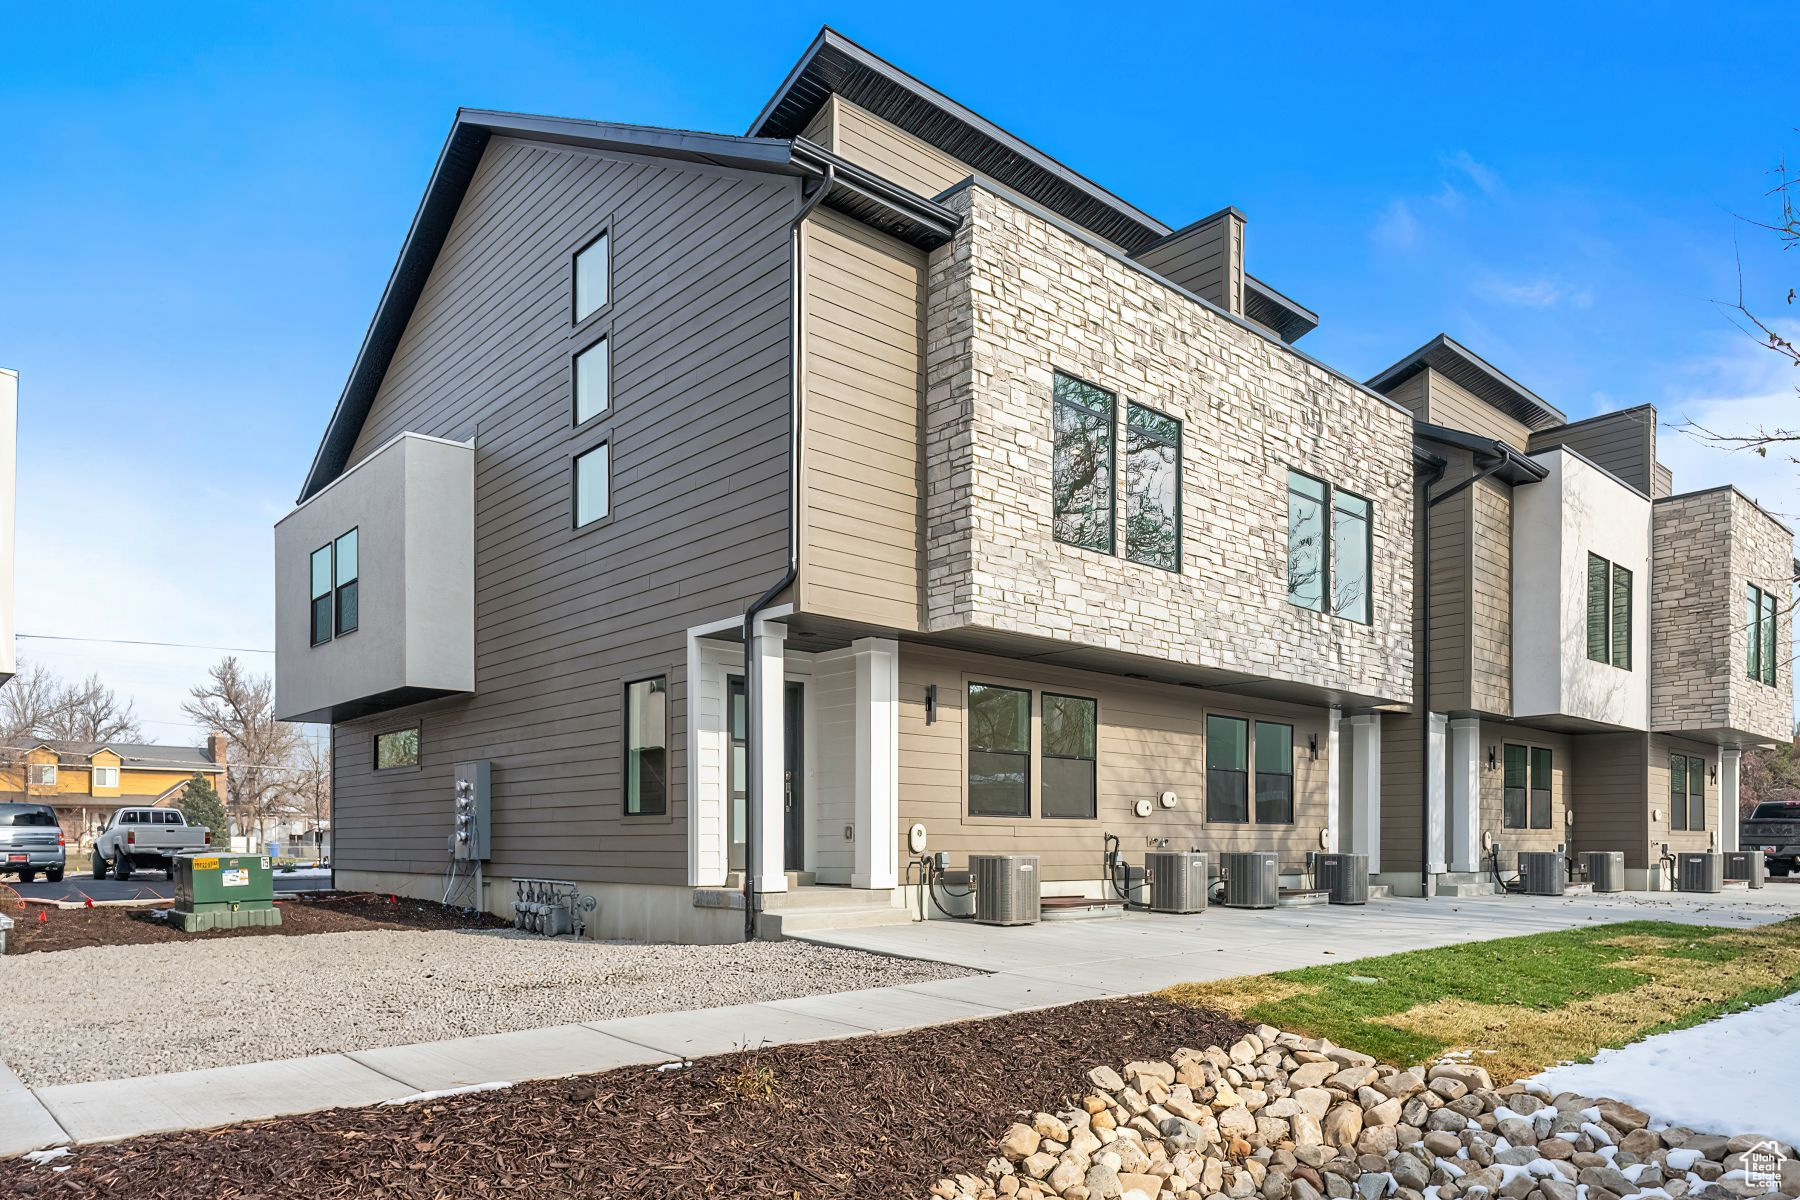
(1007, 888)
(1177, 881)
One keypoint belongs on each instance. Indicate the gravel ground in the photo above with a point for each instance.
(113, 1012)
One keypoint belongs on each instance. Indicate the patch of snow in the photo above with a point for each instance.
(1751, 1059)
(1595, 1131)
(39, 1157)
(421, 1097)
(1510, 1172)
(1592, 1113)
(1543, 1168)
(1649, 1194)
(1683, 1160)
(675, 1066)
(1452, 1168)
(1634, 1170)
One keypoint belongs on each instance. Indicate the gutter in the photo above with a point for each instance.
(754, 683)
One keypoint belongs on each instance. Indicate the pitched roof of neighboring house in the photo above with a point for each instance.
(141, 756)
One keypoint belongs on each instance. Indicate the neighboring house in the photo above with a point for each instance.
(1601, 650)
(1040, 527)
(86, 781)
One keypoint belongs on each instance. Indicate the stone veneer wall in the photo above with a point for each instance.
(1706, 547)
(1015, 298)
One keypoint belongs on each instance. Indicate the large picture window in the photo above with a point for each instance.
(1070, 726)
(1274, 773)
(1759, 634)
(1152, 488)
(1227, 769)
(647, 747)
(1609, 588)
(1081, 467)
(999, 751)
(1687, 792)
(397, 748)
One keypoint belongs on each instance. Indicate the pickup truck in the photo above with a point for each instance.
(1774, 828)
(147, 838)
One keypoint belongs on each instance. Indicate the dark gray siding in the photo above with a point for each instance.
(1623, 443)
(698, 432)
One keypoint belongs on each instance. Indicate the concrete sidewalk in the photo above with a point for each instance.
(1033, 967)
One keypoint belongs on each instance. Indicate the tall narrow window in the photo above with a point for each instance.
(1759, 634)
(1081, 466)
(591, 382)
(1541, 782)
(1608, 612)
(1152, 488)
(321, 595)
(999, 751)
(1306, 542)
(1227, 769)
(1687, 792)
(1515, 786)
(1621, 617)
(397, 748)
(1768, 638)
(1597, 608)
(593, 490)
(647, 747)
(1069, 755)
(1274, 773)
(591, 283)
(348, 592)
(1350, 556)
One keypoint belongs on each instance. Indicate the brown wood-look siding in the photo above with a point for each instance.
(1490, 597)
(1151, 740)
(1661, 827)
(563, 617)
(894, 154)
(1402, 793)
(1207, 261)
(1623, 443)
(1612, 808)
(1455, 407)
(864, 371)
(1413, 395)
(1563, 785)
(1450, 559)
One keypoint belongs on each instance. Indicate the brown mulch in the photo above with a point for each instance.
(74, 928)
(873, 1116)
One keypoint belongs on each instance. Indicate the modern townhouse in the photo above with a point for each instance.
(1594, 651)
(745, 502)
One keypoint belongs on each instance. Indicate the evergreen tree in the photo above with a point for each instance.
(201, 805)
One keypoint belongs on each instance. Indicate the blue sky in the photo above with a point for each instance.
(202, 202)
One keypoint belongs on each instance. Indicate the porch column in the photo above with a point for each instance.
(1365, 788)
(1334, 776)
(1435, 793)
(1729, 761)
(1465, 794)
(764, 754)
(877, 763)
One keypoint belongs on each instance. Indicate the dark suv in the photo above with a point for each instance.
(30, 841)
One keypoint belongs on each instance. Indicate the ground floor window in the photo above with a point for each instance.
(999, 751)
(1274, 773)
(1070, 727)
(1526, 788)
(397, 748)
(647, 747)
(1687, 792)
(1227, 775)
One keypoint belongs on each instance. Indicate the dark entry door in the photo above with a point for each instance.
(793, 801)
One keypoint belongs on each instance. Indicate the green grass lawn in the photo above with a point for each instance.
(1521, 1004)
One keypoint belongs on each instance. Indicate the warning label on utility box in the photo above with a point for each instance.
(206, 864)
(237, 878)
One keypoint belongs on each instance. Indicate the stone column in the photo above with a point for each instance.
(1365, 789)
(877, 763)
(1729, 761)
(765, 694)
(1435, 814)
(1334, 776)
(1464, 794)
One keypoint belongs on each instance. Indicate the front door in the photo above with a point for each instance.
(793, 801)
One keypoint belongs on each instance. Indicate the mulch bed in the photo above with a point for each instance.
(874, 1116)
(74, 928)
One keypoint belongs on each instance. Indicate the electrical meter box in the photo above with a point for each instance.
(223, 891)
(469, 837)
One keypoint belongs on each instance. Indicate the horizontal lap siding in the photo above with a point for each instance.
(1612, 801)
(1202, 262)
(1622, 443)
(1491, 617)
(1661, 827)
(1564, 785)
(1401, 792)
(894, 154)
(1151, 740)
(1455, 407)
(863, 375)
(697, 429)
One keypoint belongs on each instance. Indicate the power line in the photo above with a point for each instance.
(51, 637)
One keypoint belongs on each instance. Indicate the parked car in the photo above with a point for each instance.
(30, 841)
(1774, 828)
(146, 838)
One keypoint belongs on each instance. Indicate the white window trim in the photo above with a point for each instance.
(106, 777)
(43, 774)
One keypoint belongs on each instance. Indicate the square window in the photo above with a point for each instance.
(647, 746)
(591, 382)
(43, 774)
(591, 283)
(593, 495)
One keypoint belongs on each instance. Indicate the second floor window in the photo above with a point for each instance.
(1526, 791)
(43, 774)
(1759, 632)
(1152, 488)
(1608, 612)
(1687, 792)
(1081, 466)
(1330, 548)
(593, 487)
(592, 285)
(591, 384)
(106, 777)
(335, 590)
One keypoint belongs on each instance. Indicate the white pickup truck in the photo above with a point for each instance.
(145, 838)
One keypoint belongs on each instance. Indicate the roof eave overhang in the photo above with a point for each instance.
(1515, 468)
(1467, 369)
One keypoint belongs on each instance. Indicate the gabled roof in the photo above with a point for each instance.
(834, 63)
(141, 756)
(855, 191)
(1469, 370)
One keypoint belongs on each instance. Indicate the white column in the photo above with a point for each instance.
(1465, 794)
(1728, 799)
(708, 764)
(1365, 789)
(1435, 791)
(877, 763)
(1334, 776)
(765, 697)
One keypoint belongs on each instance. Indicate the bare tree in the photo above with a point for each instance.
(91, 712)
(241, 705)
(310, 786)
(30, 705)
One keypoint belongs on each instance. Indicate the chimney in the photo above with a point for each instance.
(216, 746)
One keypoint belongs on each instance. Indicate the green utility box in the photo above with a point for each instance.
(223, 891)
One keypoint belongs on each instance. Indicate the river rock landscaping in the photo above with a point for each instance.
(1279, 1116)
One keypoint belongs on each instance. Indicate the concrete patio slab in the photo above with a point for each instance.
(25, 1124)
(1009, 992)
(505, 1057)
(109, 1109)
(886, 1010)
(722, 1030)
